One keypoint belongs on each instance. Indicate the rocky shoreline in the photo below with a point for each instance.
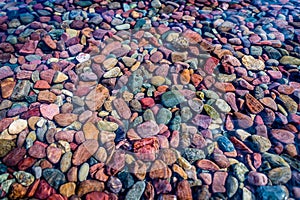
(184, 100)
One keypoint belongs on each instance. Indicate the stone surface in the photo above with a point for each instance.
(84, 151)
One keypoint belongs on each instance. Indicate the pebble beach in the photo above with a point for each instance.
(150, 100)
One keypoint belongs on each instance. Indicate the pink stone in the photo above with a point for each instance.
(122, 108)
(47, 75)
(256, 178)
(67, 135)
(37, 150)
(206, 178)
(202, 120)
(53, 154)
(5, 72)
(148, 129)
(283, 136)
(210, 65)
(29, 47)
(219, 182)
(156, 57)
(4, 123)
(49, 111)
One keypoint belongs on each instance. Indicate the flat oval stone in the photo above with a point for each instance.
(283, 136)
(66, 162)
(136, 191)
(122, 108)
(90, 186)
(65, 119)
(280, 175)
(84, 151)
(267, 192)
(83, 172)
(17, 126)
(148, 129)
(258, 179)
(253, 64)
(225, 144)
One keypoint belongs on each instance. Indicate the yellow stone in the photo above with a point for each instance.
(135, 14)
(135, 66)
(179, 171)
(72, 32)
(67, 189)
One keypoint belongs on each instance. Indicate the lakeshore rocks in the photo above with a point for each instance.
(149, 99)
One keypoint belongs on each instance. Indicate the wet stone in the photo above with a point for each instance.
(172, 98)
(136, 191)
(267, 192)
(54, 177)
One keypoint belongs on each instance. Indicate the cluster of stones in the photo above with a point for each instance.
(157, 99)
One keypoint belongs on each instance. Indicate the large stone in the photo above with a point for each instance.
(84, 152)
(96, 98)
(289, 60)
(17, 126)
(148, 129)
(65, 119)
(172, 98)
(253, 64)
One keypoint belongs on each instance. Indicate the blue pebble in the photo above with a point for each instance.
(225, 144)
(271, 192)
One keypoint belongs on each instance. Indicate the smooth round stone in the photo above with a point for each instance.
(163, 116)
(17, 126)
(239, 171)
(280, 175)
(83, 172)
(222, 106)
(5, 147)
(211, 111)
(126, 178)
(148, 129)
(256, 178)
(259, 143)
(112, 73)
(67, 189)
(268, 192)
(26, 18)
(54, 177)
(157, 80)
(37, 171)
(114, 185)
(186, 114)
(225, 144)
(66, 161)
(232, 185)
(24, 178)
(253, 64)
(122, 27)
(172, 98)
(107, 126)
(193, 154)
(136, 191)
(255, 51)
